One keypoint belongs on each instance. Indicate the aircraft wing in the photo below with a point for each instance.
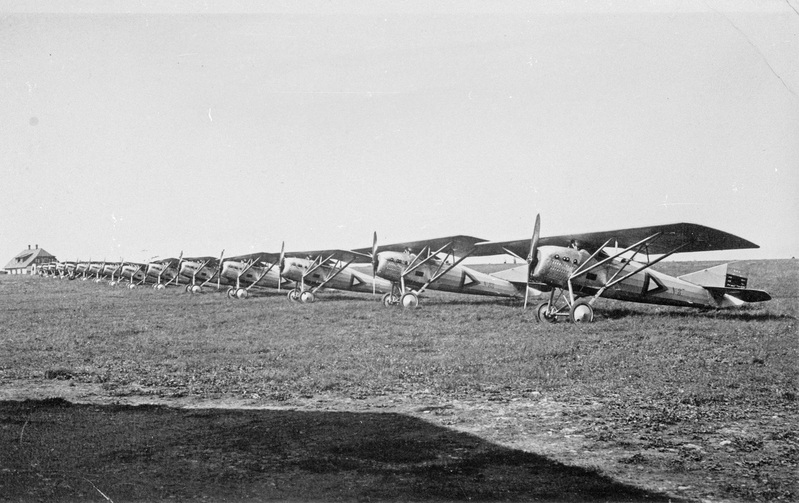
(354, 256)
(270, 257)
(692, 238)
(458, 245)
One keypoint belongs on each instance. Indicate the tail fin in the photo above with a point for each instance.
(720, 276)
(723, 280)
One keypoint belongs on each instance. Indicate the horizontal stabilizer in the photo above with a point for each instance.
(723, 280)
(518, 275)
(744, 294)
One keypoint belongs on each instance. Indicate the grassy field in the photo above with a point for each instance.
(652, 393)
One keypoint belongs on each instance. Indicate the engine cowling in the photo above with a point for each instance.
(556, 264)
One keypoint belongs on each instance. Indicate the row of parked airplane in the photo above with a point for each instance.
(567, 273)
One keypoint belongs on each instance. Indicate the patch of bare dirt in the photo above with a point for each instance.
(478, 449)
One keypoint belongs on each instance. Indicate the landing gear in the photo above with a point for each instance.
(307, 297)
(231, 293)
(542, 313)
(159, 286)
(389, 299)
(581, 311)
(294, 295)
(132, 286)
(195, 289)
(409, 300)
(241, 293)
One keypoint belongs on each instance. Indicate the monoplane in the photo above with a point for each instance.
(245, 273)
(200, 272)
(318, 269)
(435, 264)
(578, 269)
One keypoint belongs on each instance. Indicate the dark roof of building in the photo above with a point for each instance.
(26, 257)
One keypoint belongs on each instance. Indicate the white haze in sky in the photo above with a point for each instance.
(134, 132)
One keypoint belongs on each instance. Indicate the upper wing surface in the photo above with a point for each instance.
(355, 256)
(458, 245)
(692, 238)
(265, 256)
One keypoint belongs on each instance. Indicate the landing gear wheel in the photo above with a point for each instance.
(390, 300)
(196, 289)
(294, 295)
(241, 293)
(409, 300)
(131, 286)
(160, 286)
(307, 297)
(581, 312)
(541, 313)
(231, 293)
(188, 288)
(112, 283)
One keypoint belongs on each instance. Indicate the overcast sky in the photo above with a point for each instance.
(133, 132)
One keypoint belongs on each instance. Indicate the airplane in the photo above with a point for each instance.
(164, 269)
(206, 269)
(314, 270)
(578, 269)
(254, 271)
(435, 264)
(69, 270)
(109, 270)
(134, 272)
(94, 269)
(81, 268)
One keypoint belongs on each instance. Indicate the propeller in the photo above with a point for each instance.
(374, 263)
(280, 264)
(219, 271)
(177, 276)
(532, 257)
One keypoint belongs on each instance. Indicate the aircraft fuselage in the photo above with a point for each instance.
(201, 271)
(459, 279)
(166, 270)
(297, 270)
(556, 264)
(234, 271)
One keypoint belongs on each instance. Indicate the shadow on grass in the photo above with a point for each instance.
(58, 451)
(737, 315)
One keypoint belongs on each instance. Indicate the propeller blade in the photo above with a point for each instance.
(532, 257)
(374, 263)
(280, 264)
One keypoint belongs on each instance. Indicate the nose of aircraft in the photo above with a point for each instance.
(384, 267)
(187, 267)
(286, 268)
(229, 269)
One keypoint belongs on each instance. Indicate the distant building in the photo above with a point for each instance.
(27, 261)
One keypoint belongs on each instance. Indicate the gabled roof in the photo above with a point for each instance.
(26, 257)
